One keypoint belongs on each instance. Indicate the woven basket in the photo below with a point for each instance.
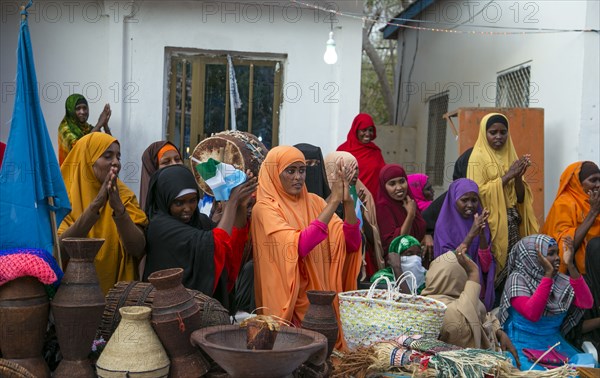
(136, 293)
(374, 315)
(9, 369)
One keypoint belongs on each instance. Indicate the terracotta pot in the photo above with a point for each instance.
(320, 316)
(23, 321)
(134, 350)
(77, 308)
(175, 315)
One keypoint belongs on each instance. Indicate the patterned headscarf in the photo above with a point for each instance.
(70, 129)
(525, 275)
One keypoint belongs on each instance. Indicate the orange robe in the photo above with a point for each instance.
(568, 211)
(281, 277)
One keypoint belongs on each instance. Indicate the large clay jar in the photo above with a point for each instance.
(77, 308)
(134, 350)
(175, 315)
(24, 310)
(320, 316)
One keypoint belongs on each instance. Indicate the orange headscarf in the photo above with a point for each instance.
(112, 263)
(568, 212)
(281, 278)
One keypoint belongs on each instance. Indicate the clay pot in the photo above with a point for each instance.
(320, 316)
(134, 350)
(23, 321)
(77, 308)
(175, 315)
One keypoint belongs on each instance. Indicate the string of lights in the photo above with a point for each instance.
(509, 30)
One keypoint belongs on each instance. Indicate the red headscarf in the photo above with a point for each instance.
(390, 213)
(369, 157)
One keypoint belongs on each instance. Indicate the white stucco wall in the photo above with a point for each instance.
(564, 72)
(88, 47)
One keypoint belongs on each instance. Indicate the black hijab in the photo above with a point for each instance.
(171, 243)
(316, 177)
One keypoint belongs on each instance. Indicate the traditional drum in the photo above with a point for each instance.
(238, 148)
(136, 293)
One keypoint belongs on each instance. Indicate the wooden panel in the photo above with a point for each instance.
(526, 128)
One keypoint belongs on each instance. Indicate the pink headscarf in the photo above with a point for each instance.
(417, 182)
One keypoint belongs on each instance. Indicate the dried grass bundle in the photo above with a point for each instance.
(356, 363)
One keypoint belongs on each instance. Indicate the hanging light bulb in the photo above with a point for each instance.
(330, 56)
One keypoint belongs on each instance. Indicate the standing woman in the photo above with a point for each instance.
(103, 207)
(499, 174)
(179, 236)
(462, 221)
(74, 125)
(576, 211)
(359, 143)
(539, 304)
(158, 155)
(299, 243)
(397, 212)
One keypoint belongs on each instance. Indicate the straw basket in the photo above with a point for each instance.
(370, 316)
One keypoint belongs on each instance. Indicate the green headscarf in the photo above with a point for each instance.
(402, 243)
(399, 245)
(70, 129)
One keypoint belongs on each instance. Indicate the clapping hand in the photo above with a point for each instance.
(568, 253)
(468, 265)
(546, 265)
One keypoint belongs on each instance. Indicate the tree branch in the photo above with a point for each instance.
(379, 68)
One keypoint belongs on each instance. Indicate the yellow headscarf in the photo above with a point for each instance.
(281, 278)
(486, 168)
(112, 263)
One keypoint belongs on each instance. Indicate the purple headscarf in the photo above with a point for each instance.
(451, 229)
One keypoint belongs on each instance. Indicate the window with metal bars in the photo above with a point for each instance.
(512, 90)
(436, 139)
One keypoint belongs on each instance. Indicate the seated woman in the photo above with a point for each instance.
(453, 278)
(365, 211)
(576, 210)
(179, 236)
(299, 243)
(158, 155)
(316, 178)
(103, 207)
(422, 190)
(397, 212)
(539, 304)
(74, 125)
(359, 143)
(404, 255)
(462, 221)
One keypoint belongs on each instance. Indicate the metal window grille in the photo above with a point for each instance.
(436, 139)
(512, 90)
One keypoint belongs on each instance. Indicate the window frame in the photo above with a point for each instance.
(198, 60)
